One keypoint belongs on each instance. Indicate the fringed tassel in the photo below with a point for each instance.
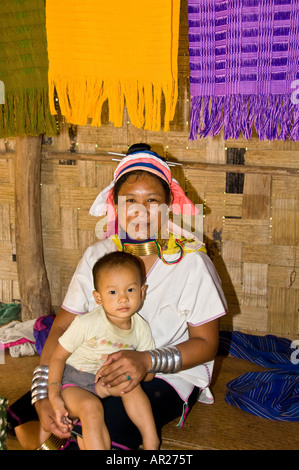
(184, 415)
(79, 101)
(273, 117)
(26, 112)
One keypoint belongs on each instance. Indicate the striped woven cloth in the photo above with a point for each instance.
(273, 394)
(244, 62)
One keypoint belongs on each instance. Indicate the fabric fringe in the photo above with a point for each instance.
(80, 100)
(123, 53)
(184, 415)
(24, 70)
(273, 117)
(26, 112)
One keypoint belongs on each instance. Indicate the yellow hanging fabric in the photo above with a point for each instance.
(123, 51)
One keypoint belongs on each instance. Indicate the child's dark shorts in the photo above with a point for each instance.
(73, 377)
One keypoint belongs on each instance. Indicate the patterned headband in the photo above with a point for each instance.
(147, 161)
(152, 163)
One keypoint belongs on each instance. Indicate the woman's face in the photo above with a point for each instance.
(142, 208)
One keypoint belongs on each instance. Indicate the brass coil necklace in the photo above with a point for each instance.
(151, 248)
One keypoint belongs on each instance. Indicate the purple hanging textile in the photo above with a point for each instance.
(41, 330)
(244, 64)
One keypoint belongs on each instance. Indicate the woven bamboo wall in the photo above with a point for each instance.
(251, 215)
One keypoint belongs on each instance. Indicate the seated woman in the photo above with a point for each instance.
(184, 299)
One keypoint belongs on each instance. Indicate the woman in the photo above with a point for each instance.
(184, 299)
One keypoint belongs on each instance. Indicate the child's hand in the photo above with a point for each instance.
(64, 422)
(62, 415)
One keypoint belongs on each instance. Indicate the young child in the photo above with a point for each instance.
(83, 349)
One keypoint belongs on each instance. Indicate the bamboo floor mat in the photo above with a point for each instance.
(208, 427)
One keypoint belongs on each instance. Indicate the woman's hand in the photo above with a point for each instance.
(48, 419)
(128, 367)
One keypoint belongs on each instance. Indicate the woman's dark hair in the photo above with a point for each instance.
(114, 259)
(140, 148)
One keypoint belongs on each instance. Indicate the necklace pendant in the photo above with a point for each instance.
(163, 244)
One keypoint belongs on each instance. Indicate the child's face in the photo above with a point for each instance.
(120, 292)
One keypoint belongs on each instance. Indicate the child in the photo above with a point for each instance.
(83, 349)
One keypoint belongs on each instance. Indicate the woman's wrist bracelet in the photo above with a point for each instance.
(39, 388)
(167, 360)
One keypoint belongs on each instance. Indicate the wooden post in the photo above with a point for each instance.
(33, 282)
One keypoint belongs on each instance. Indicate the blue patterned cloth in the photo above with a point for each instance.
(273, 394)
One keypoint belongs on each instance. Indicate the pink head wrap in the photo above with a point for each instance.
(152, 163)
